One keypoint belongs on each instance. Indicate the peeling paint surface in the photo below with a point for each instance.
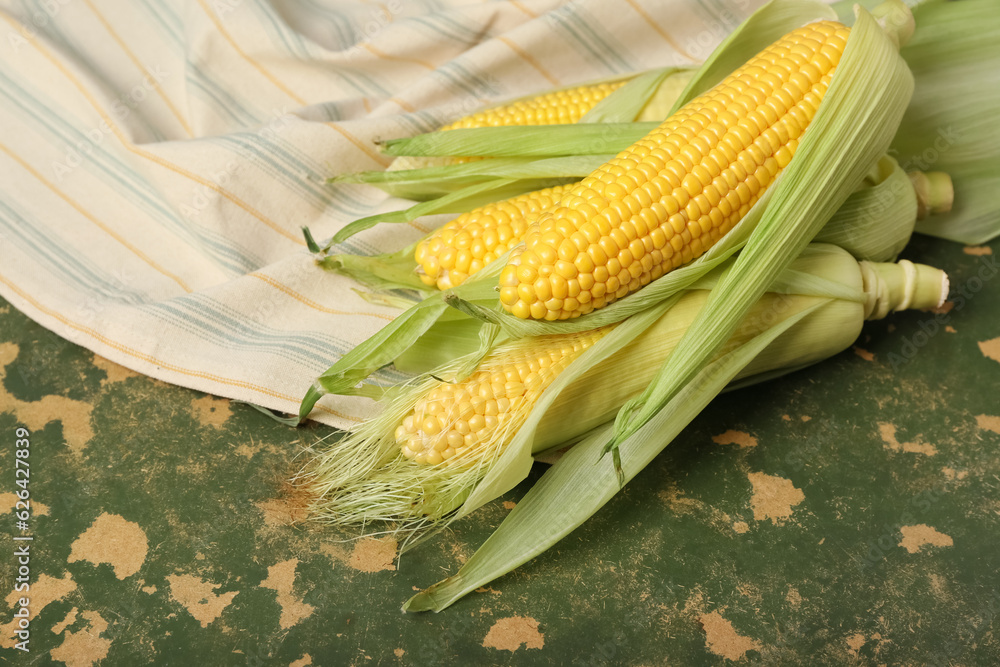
(113, 540)
(888, 433)
(281, 579)
(722, 640)
(773, 497)
(857, 497)
(915, 538)
(510, 634)
(198, 597)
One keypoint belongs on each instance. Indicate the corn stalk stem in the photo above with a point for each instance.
(935, 192)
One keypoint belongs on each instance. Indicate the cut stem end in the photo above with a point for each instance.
(901, 286)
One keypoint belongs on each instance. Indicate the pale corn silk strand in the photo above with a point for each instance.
(672, 195)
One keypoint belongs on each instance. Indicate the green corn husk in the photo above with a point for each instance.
(648, 96)
(951, 124)
(432, 182)
(852, 128)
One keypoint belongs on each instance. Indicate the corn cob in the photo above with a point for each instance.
(453, 422)
(474, 239)
(666, 199)
(448, 256)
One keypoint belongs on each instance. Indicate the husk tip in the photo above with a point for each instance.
(427, 599)
(896, 20)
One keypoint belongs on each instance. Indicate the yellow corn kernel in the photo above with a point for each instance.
(692, 200)
(474, 239)
(458, 422)
(558, 107)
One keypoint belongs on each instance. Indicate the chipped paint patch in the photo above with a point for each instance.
(951, 474)
(888, 433)
(211, 411)
(793, 597)
(508, 634)
(68, 620)
(722, 640)
(855, 642)
(112, 371)
(113, 540)
(339, 554)
(864, 354)
(85, 647)
(9, 500)
(304, 661)
(247, 451)
(773, 497)
(990, 348)
(917, 537)
(988, 423)
(950, 329)
(198, 597)
(743, 440)
(398, 652)
(74, 415)
(509, 504)
(281, 579)
(43, 592)
(374, 554)
(741, 526)
(8, 353)
(280, 512)
(977, 250)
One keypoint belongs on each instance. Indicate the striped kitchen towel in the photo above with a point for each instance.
(159, 157)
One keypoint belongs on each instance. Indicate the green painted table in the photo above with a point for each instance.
(847, 514)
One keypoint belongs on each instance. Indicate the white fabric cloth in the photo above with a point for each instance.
(158, 158)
